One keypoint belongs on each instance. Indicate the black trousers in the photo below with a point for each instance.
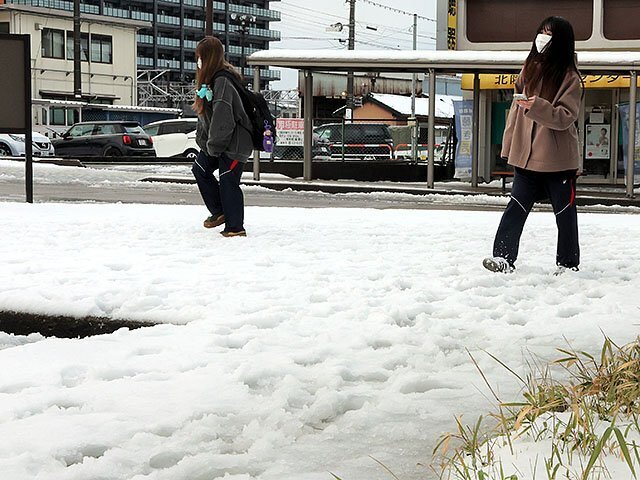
(224, 196)
(529, 187)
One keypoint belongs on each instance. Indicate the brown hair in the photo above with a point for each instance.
(211, 52)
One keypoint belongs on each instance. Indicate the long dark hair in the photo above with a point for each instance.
(211, 52)
(551, 66)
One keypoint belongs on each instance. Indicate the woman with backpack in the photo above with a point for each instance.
(224, 137)
(541, 142)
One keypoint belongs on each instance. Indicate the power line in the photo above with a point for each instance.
(340, 17)
(396, 10)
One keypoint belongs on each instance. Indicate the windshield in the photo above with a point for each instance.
(133, 128)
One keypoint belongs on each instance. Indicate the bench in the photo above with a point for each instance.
(503, 174)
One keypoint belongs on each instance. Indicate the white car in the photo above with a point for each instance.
(174, 138)
(12, 145)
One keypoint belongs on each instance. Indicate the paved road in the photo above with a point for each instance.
(144, 192)
(112, 185)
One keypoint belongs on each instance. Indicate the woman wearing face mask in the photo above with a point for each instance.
(541, 142)
(223, 135)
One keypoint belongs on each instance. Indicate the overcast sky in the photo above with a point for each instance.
(304, 24)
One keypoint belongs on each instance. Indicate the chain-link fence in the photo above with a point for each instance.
(364, 140)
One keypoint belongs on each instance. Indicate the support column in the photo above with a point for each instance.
(631, 151)
(432, 129)
(475, 150)
(308, 124)
(256, 153)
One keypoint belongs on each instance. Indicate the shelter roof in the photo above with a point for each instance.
(457, 61)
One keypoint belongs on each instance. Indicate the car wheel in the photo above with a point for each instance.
(5, 151)
(191, 154)
(112, 152)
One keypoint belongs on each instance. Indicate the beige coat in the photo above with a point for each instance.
(544, 138)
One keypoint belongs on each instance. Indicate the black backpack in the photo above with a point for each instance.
(256, 108)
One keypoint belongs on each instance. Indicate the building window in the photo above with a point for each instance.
(101, 49)
(52, 43)
(517, 21)
(57, 116)
(621, 20)
(84, 46)
(4, 27)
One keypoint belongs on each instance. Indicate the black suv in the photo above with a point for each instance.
(105, 139)
(357, 141)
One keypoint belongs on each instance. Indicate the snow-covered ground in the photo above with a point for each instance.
(324, 338)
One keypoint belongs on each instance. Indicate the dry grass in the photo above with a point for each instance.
(587, 417)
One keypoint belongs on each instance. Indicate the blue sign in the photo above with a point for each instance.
(624, 124)
(463, 110)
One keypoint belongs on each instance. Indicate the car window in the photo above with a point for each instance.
(322, 133)
(188, 127)
(376, 133)
(172, 127)
(81, 130)
(152, 130)
(133, 128)
(107, 129)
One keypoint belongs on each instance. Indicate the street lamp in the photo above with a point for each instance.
(243, 21)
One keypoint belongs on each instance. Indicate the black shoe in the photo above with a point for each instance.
(214, 220)
(498, 265)
(234, 232)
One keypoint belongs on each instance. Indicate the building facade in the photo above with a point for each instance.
(173, 27)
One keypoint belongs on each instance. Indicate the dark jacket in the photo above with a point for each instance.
(224, 126)
(544, 138)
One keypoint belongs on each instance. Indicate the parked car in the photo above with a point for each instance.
(174, 138)
(360, 141)
(175, 125)
(106, 139)
(13, 145)
(319, 149)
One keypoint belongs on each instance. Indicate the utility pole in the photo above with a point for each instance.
(77, 59)
(226, 29)
(351, 46)
(208, 18)
(415, 129)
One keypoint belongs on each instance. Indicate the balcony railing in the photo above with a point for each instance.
(147, 39)
(145, 16)
(169, 42)
(168, 19)
(145, 61)
(58, 5)
(256, 11)
(192, 22)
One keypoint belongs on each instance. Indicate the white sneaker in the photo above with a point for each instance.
(561, 269)
(498, 265)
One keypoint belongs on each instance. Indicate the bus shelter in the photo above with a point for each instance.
(434, 62)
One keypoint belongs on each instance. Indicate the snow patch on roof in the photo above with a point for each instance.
(402, 104)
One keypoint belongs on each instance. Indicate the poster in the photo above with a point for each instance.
(598, 141)
(464, 132)
(290, 132)
(624, 124)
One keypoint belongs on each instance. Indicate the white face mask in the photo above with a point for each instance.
(542, 40)
(199, 63)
